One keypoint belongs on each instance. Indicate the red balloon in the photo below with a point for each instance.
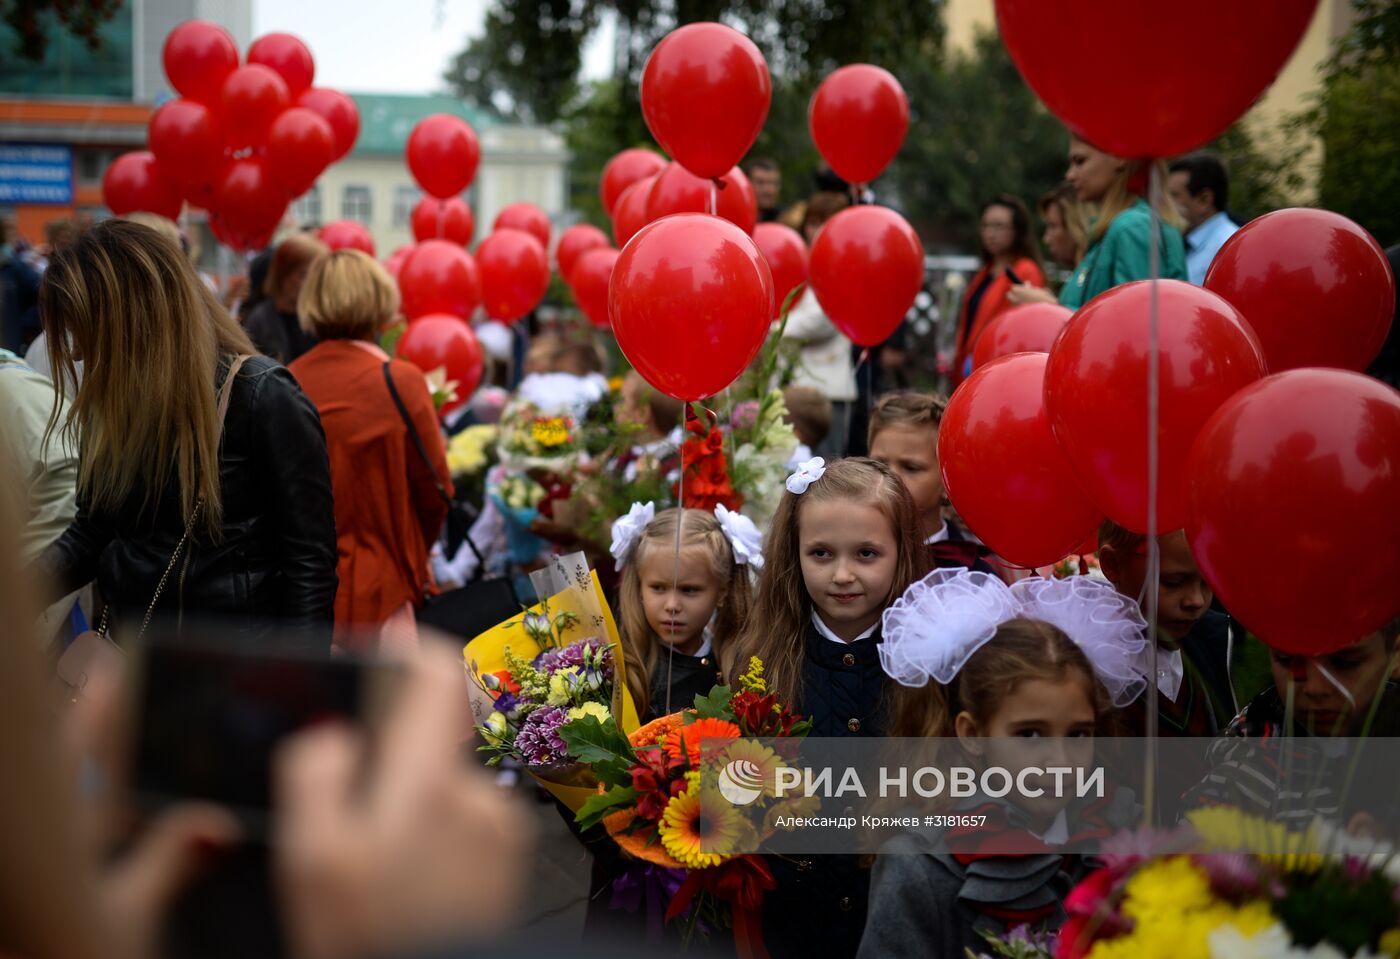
(677, 190)
(286, 55)
(442, 154)
(1290, 509)
(249, 199)
(136, 182)
(1316, 288)
(439, 277)
(514, 273)
(786, 254)
(185, 137)
(590, 278)
(449, 219)
(630, 214)
(576, 241)
(527, 217)
(867, 266)
(625, 169)
(858, 118)
(443, 342)
(339, 111)
(690, 300)
(705, 96)
(198, 58)
(1096, 391)
(300, 145)
(1029, 328)
(347, 235)
(254, 96)
(1158, 103)
(396, 259)
(1003, 470)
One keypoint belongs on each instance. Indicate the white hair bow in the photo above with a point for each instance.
(807, 474)
(626, 530)
(934, 628)
(744, 537)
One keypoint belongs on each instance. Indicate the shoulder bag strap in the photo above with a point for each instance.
(432, 471)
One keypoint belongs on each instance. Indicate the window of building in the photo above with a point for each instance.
(405, 199)
(307, 208)
(355, 204)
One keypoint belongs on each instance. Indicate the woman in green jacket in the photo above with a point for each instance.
(1120, 235)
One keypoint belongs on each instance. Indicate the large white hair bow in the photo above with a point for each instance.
(744, 537)
(934, 628)
(626, 530)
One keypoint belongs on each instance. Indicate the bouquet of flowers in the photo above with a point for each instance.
(531, 439)
(651, 802)
(764, 444)
(518, 498)
(1322, 895)
(470, 454)
(555, 664)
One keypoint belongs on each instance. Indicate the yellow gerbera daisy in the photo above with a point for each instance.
(699, 829)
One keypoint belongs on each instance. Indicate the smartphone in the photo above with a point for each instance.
(211, 712)
(1011, 275)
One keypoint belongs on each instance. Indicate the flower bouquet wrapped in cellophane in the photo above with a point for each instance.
(651, 803)
(531, 675)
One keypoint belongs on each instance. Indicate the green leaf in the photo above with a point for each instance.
(715, 705)
(602, 746)
(596, 808)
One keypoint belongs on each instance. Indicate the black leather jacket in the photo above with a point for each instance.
(275, 562)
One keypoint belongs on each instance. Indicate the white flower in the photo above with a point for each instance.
(626, 530)
(807, 474)
(1227, 942)
(744, 537)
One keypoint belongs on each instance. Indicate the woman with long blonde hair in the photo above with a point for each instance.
(184, 508)
(1120, 235)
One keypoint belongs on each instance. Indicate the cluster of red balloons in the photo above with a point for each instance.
(1285, 484)
(241, 142)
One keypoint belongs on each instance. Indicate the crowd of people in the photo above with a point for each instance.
(281, 474)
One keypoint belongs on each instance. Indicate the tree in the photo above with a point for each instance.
(1357, 117)
(976, 130)
(33, 19)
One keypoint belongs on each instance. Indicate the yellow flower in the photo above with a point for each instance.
(1225, 828)
(561, 686)
(1390, 943)
(467, 452)
(699, 829)
(615, 383)
(495, 729)
(597, 710)
(551, 432)
(763, 759)
(753, 681)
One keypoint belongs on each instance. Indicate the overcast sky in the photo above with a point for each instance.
(398, 46)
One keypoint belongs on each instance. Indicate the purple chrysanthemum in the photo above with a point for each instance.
(538, 741)
(554, 659)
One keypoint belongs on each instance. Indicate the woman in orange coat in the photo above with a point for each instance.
(1006, 243)
(389, 506)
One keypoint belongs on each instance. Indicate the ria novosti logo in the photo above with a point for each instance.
(741, 782)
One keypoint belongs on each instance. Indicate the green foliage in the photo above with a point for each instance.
(603, 746)
(1349, 914)
(1357, 117)
(526, 63)
(596, 808)
(715, 705)
(1264, 175)
(976, 130)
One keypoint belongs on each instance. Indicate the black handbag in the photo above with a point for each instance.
(482, 603)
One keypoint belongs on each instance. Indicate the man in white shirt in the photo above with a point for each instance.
(1200, 188)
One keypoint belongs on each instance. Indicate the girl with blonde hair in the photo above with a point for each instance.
(185, 506)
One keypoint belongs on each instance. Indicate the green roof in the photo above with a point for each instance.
(387, 119)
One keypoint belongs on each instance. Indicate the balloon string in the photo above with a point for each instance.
(676, 578)
(442, 219)
(714, 198)
(1154, 553)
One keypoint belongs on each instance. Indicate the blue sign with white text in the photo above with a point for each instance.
(36, 173)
